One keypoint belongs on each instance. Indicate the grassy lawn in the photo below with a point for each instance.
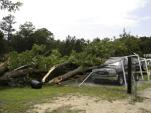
(18, 100)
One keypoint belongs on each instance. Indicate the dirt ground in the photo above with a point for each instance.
(86, 104)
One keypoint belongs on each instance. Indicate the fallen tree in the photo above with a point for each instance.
(21, 77)
(16, 73)
(75, 64)
(56, 74)
(27, 71)
(72, 73)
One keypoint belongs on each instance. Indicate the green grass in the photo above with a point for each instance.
(145, 85)
(19, 100)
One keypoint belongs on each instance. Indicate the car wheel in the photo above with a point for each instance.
(120, 80)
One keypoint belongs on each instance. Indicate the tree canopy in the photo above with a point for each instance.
(9, 5)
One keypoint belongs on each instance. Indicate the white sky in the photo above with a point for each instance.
(83, 18)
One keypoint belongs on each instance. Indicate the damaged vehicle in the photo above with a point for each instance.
(115, 68)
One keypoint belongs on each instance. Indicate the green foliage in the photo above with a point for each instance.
(55, 56)
(145, 45)
(131, 42)
(71, 43)
(26, 29)
(51, 52)
(119, 48)
(23, 39)
(9, 5)
(16, 60)
(45, 63)
(6, 25)
(36, 49)
(100, 48)
(27, 36)
(2, 47)
(35, 56)
(25, 58)
(84, 59)
(94, 53)
(42, 36)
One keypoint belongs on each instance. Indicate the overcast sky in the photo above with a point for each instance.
(87, 18)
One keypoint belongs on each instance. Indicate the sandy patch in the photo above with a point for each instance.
(96, 105)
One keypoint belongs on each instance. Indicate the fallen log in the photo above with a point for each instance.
(26, 71)
(72, 73)
(15, 73)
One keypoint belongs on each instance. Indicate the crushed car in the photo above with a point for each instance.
(114, 69)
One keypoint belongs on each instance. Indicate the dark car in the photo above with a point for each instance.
(115, 68)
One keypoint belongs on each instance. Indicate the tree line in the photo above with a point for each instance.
(28, 35)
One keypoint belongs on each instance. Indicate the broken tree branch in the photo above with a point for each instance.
(51, 69)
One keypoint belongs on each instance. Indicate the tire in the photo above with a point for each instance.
(120, 80)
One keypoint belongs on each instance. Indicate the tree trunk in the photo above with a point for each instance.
(58, 69)
(16, 73)
(69, 74)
